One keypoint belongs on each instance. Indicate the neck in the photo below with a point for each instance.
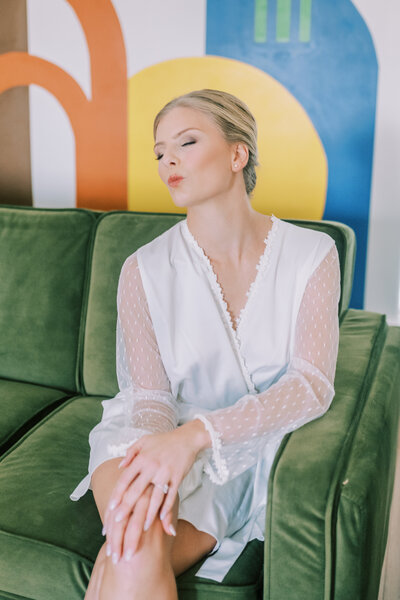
(226, 230)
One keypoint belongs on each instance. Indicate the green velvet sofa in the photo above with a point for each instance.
(331, 485)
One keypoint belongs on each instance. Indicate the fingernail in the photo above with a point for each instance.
(113, 504)
(115, 558)
(121, 464)
(146, 525)
(162, 516)
(128, 554)
(103, 531)
(172, 529)
(118, 517)
(108, 551)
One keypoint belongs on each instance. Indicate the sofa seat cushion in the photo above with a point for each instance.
(243, 581)
(48, 544)
(22, 406)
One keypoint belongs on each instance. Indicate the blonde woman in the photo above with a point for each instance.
(227, 339)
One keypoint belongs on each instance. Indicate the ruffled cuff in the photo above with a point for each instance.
(120, 449)
(217, 470)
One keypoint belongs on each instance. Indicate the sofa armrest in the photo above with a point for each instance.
(331, 483)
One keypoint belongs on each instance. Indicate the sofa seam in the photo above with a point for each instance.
(58, 403)
(79, 375)
(38, 425)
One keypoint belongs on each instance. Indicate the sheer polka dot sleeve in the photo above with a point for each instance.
(144, 403)
(241, 432)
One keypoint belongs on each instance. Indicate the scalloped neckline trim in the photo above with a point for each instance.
(261, 268)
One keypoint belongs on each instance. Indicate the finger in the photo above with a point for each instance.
(134, 528)
(168, 525)
(169, 501)
(126, 478)
(157, 498)
(115, 537)
(131, 452)
(131, 496)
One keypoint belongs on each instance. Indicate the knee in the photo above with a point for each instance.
(151, 560)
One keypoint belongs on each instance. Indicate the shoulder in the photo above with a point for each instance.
(163, 242)
(305, 234)
(303, 239)
(303, 248)
(156, 249)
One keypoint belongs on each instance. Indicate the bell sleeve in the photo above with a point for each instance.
(144, 403)
(242, 432)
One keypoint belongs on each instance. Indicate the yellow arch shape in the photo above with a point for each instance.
(292, 176)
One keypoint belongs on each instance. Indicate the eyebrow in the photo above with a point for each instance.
(177, 135)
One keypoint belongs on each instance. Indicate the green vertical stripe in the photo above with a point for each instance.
(283, 10)
(260, 20)
(305, 21)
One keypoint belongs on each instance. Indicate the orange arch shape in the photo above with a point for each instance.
(99, 124)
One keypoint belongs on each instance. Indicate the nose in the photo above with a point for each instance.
(169, 157)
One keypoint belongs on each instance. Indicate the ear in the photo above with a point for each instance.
(240, 156)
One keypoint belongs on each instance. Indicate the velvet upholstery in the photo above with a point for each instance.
(23, 405)
(42, 273)
(312, 482)
(331, 485)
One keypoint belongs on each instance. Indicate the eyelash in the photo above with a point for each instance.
(159, 157)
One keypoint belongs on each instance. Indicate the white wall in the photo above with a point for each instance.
(382, 291)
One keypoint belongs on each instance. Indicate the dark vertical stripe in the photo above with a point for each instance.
(15, 160)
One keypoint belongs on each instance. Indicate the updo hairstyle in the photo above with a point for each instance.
(231, 116)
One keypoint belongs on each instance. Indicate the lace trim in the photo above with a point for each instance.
(120, 449)
(220, 474)
(115, 450)
(261, 267)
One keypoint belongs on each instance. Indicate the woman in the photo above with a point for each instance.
(227, 339)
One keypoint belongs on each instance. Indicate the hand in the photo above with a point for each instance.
(152, 462)
(123, 537)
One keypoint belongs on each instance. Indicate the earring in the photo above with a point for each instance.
(235, 165)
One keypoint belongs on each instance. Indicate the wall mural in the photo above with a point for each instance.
(307, 69)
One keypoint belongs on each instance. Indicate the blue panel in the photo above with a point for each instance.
(334, 77)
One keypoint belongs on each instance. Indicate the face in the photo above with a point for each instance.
(195, 161)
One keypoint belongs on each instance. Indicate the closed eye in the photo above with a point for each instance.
(159, 157)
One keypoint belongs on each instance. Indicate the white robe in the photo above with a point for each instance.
(180, 357)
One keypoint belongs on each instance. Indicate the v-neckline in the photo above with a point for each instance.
(261, 267)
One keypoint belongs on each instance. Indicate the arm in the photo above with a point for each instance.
(240, 432)
(145, 403)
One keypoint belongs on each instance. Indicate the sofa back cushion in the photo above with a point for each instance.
(43, 262)
(119, 234)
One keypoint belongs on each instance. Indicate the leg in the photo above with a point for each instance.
(190, 546)
(159, 557)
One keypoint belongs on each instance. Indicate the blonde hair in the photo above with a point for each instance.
(231, 116)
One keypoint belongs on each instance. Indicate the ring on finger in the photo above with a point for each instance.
(162, 486)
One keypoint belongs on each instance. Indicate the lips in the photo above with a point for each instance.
(174, 180)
